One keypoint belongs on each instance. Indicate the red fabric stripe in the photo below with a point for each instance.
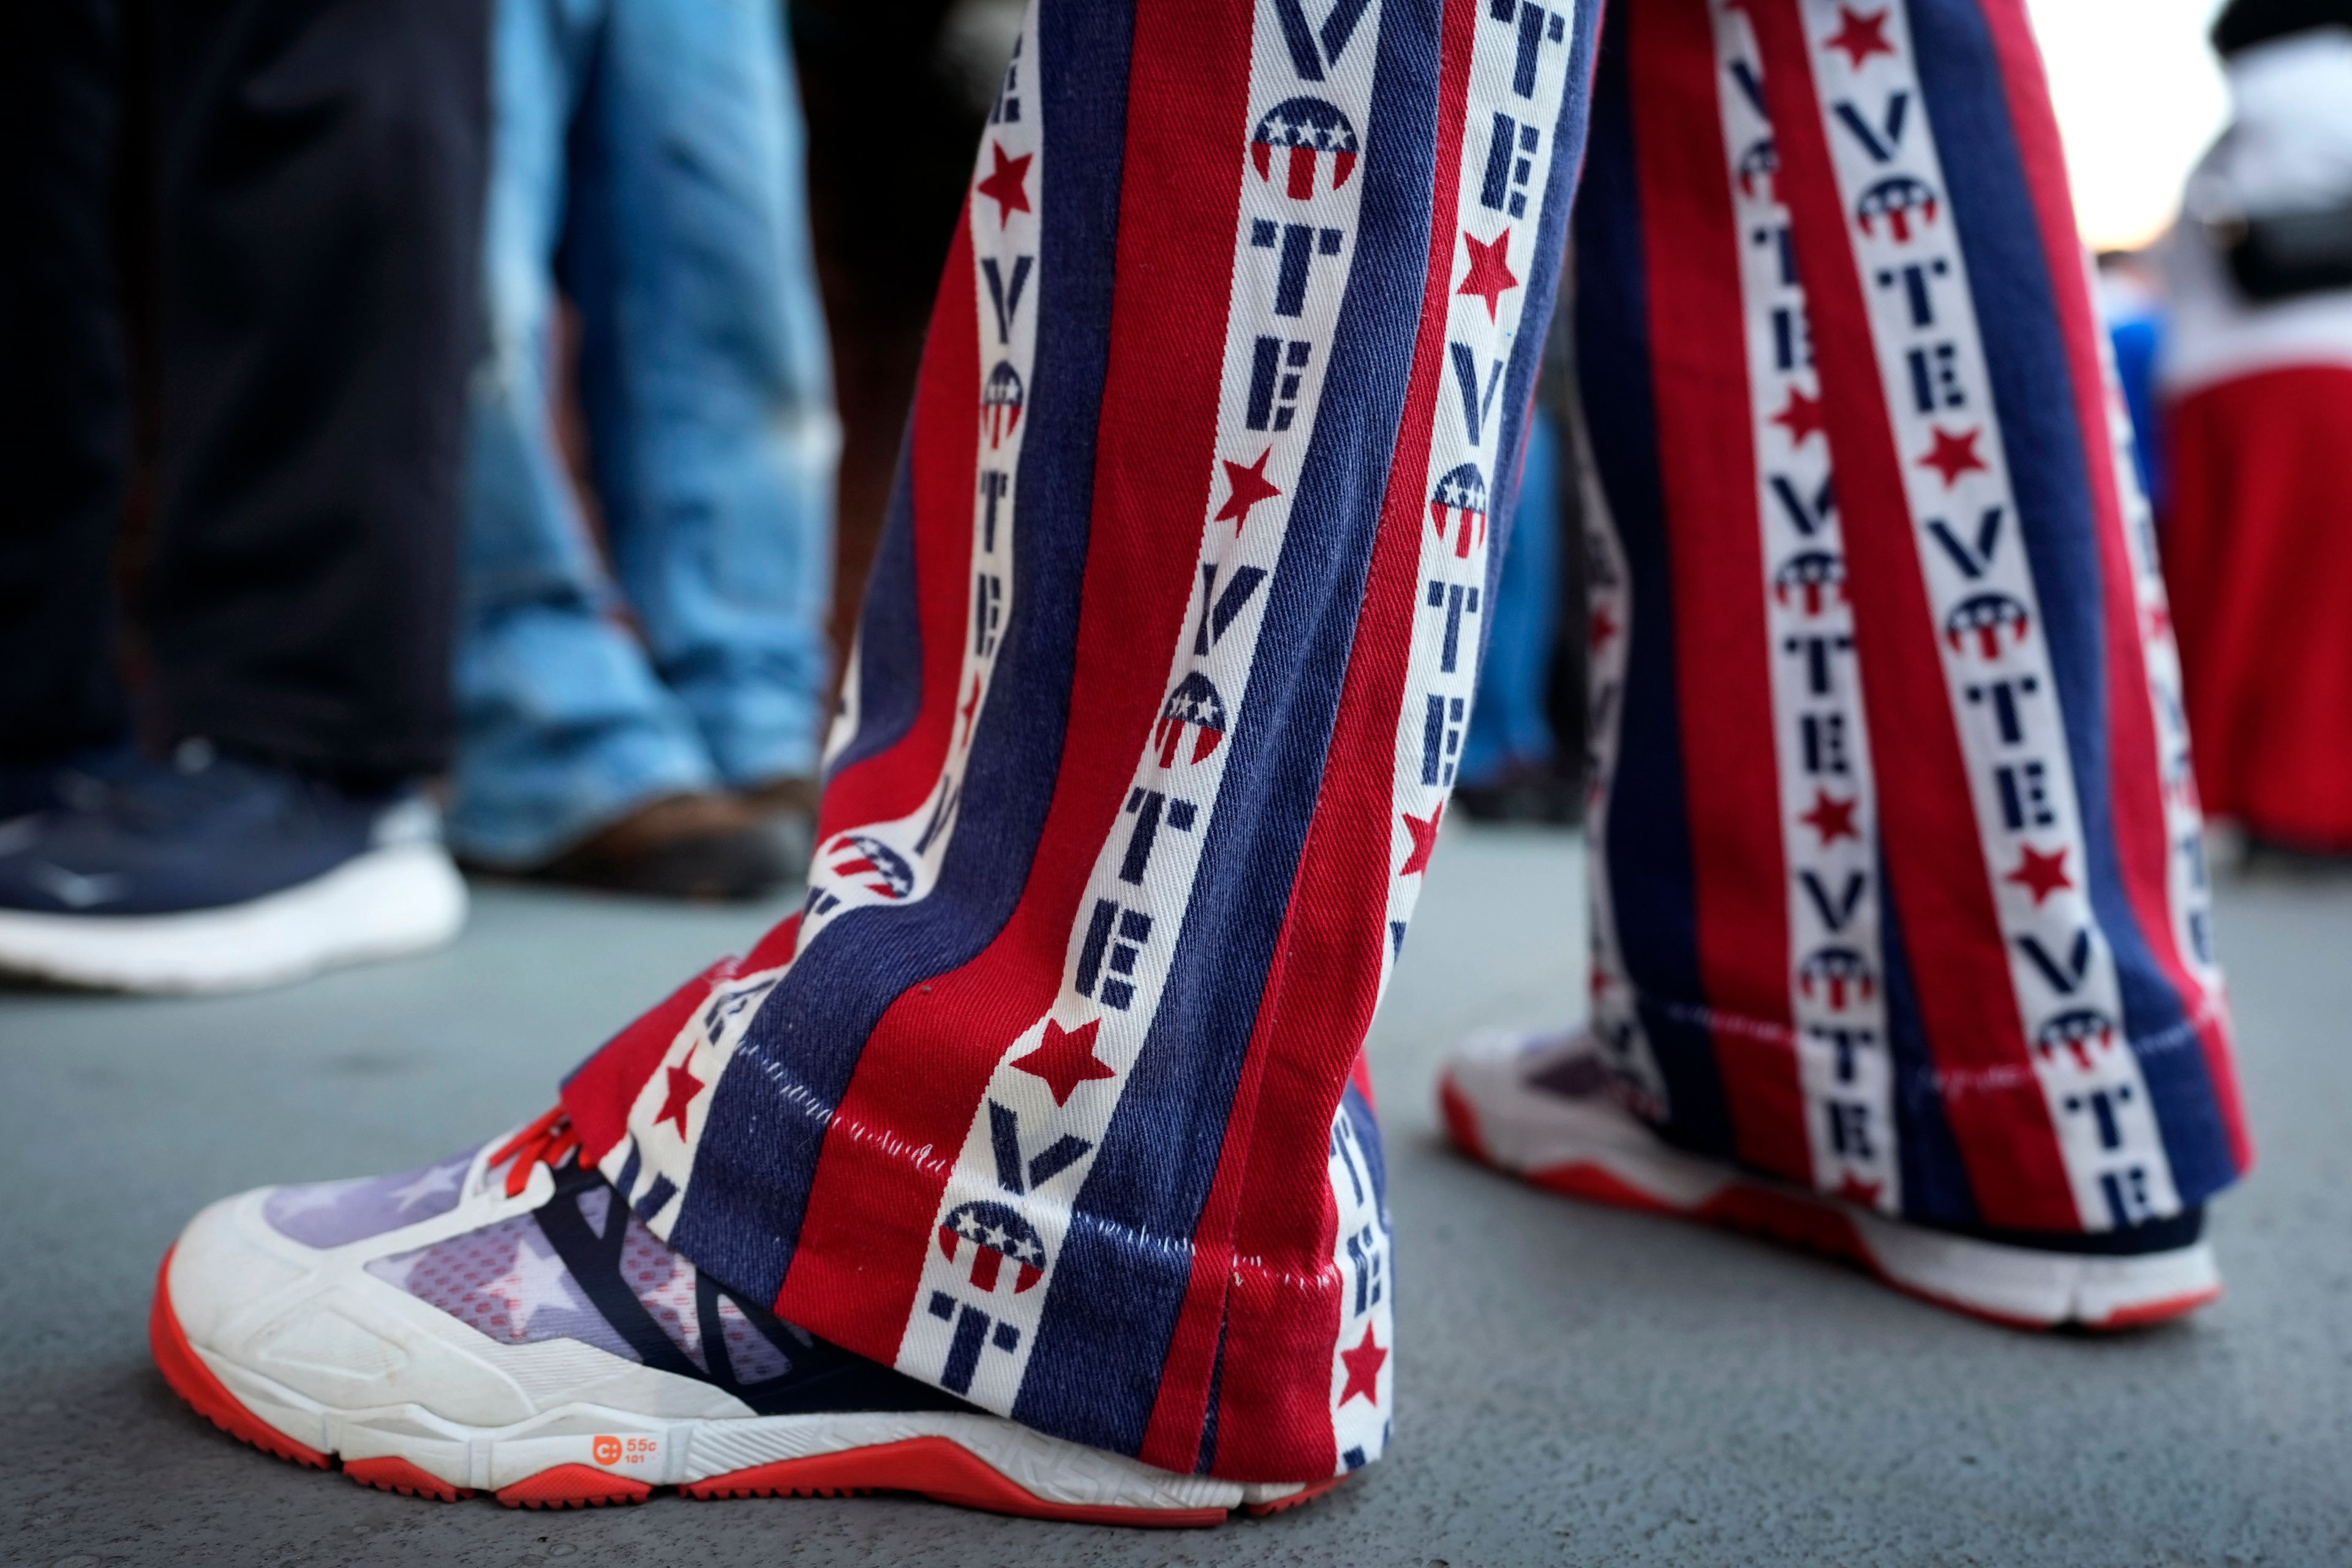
(777, 947)
(2143, 842)
(1270, 1202)
(919, 1081)
(599, 1095)
(945, 431)
(1936, 865)
(1706, 459)
(2260, 474)
(897, 781)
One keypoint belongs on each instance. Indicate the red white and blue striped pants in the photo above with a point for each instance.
(1052, 1093)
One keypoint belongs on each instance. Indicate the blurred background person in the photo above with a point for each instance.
(2131, 302)
(641, 676)
(2257, 381)
(938, 64)
(292, 189)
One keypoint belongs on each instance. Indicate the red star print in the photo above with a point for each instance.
(1490, 269)
(1065, 1059)
(970, 710)
(1425, 839)
(1953, 455)
(1007, 184)
(1861, 36)
(1603, 627)
(1854, 1190)
(1833, 819)
(1363, 1365)
(683, 1086)
(1802, 418)
(2042, 874)
(1250, 488)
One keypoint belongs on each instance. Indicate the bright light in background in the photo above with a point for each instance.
(2139, 99)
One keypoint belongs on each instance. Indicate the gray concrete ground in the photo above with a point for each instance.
(1578, 1385)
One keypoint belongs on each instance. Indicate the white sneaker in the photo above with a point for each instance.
(1545, 1109)
(214, 873)
(499, 1322)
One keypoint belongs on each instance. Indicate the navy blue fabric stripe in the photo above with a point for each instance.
(742, 1212)
(1367, 1143)
(1650, 880)
(889, 630)
(2032, 389)
(963, 1355)
(1935, 1180)
(1125, 1266)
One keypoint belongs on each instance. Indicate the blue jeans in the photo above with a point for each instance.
(1509, 722)
(649, 153)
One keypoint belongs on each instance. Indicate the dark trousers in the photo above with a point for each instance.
(294, 191)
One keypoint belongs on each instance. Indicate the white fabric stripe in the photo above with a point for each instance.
(1508, 133)
(1011, 169)
(1520, 62)
(1118, 955)
(2189, 894)
(894, 862)
(1828, 809)
(1981, 588)
(1363, 1368)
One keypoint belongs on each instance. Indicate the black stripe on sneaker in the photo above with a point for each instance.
(821, 1377)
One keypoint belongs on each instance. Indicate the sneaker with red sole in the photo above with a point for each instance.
(1546, 1109)
(500, 1323)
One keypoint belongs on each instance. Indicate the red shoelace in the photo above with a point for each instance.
(546, 1142)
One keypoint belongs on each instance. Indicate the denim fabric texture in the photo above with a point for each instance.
(648, 162)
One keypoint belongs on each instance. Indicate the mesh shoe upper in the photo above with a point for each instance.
(582, 1267)
(335, 1214)
(504, 1282)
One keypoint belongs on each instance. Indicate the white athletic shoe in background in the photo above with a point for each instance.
(1546, 1109)
(212, 873)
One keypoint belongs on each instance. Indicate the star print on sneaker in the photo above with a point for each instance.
(502, 1322)
(1547, 1110)
(331, 1214)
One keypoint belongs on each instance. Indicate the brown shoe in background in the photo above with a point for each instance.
(790, 795)
(790, 806)
(713, 847)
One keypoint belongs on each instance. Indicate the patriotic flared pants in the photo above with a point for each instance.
(1052, 1093)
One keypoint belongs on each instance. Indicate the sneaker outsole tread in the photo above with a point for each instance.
(935, 1468)
(1304, 1495)
(938, 1468)
(393, 1474)
(574, 1486)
